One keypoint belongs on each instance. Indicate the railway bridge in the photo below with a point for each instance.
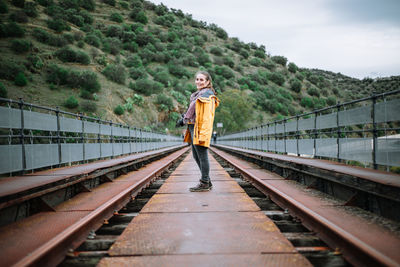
(318, 189)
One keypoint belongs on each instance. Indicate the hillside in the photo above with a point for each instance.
(134, 62)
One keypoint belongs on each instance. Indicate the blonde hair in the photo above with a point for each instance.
(208, 77)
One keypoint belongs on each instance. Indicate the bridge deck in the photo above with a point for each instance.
(216, 228)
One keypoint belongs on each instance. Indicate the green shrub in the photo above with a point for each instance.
(307, 102)
(137, 73)
(164, 103)
(179, 97)
(292, 67)
(88, 4)
(147, 87)
(58, 25)
(124, 4)
(331, 100)
(9, 69)
(295, 85)
(57, 75)
(300, 76)
(3, 7)
(85, 80)
(119, 110)
(67, 54)
(93, 40)
(116, 17)
(224, 71)
(88, 106)
(279, 60)
(45, 3)
(48, 38)
(244, 53)
(313, 91)
(20, 79)
(216, 51)
(259, 53)
(3, 91)
(69, 37)
(109, 2)
(115, 73)
(163, 77)
(12, 29)
(221, 33)
(71, 102)
(138, 99)
(141, 18)
(314, 79)
(81, 44)
(255, 61)
(112, 45)
(178, 70)
(228, 61)
(277, 78)
(133, 61)
(21, 46)
(18, 3)
(19, 16)
(30, 9)
(86, 94)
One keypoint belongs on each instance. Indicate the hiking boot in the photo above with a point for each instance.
(210, 184)
(201, 187)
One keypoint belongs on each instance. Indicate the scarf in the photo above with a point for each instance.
(190, 115)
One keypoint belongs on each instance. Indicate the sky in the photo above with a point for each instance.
(358, 38)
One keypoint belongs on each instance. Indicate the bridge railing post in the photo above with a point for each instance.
(297, 135)
(22, 135)
(58, 136)
(374, 132)
(338, 131)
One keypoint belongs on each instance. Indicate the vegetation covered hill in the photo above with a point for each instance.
(134, 62)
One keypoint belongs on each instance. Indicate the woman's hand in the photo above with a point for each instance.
(180, 122)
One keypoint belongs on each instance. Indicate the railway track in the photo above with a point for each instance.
(323, 244)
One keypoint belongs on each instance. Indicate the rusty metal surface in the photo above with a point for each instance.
(361, 241)
(17, 184)
(377, 176)
(201, 233)
(183, 187)
(200, 202)
(43, 239)
(225, 260)
(21, 238)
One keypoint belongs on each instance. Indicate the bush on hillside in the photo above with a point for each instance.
(48, 38)
(20, 79)
(71, 102)
(295, 85)
(331, 100)
(86, 94)
(178, 70)
(146, 87)
(221, 33)
(3, 91)
(9, 69)
(85, 80)
(307, 102)
(18, 3)
(277, 78)
(3, 7)
(119, 110)
(93, 40)
(115, 73)
(88, 4)
(313, 91)
(255, 61)
(68, 54)
(162, 77)
(164, 103)
(116, 17)
(45, 3)
(19, 16)
(280, 60)
(112, 45)
(109, 2)
(224, 71)
(11, 29)
(21, 46)
(292, 67)
(133, 61)
(88, 106)
(137, 73)
(216, 51)
(124, 4)
(259, 53)
(30, 9)
(58, 25)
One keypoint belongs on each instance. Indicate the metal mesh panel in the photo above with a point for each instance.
(10, 118)
(327, 121)
(124, 132)
(70, 125)
(387, 111)
(71, 152)
(388, 151)
(279, 128)
(10, 158)
(126, 149)
(271, 129)
(117, 149)
(326, 147)
(41, 155)
(271, 145)
(40, 121)
(91, 127)
(306, 146)
(307, 124)
(105, 129)
(116, 131)
(291, 126)
(359, 115)
(92, 151)
(291, 146)
(106, 150)
(359, 149)
(280, 146)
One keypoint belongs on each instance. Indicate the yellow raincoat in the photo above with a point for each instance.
(205, 111)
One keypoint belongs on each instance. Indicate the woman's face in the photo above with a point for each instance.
(201, 81)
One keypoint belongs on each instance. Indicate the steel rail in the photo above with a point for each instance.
(52, 252)
(354, 250)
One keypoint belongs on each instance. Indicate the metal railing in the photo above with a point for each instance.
(364, 130)
(33, 137)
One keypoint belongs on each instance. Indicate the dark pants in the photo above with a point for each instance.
(200, 154)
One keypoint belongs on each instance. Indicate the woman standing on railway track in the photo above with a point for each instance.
(199, 118)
